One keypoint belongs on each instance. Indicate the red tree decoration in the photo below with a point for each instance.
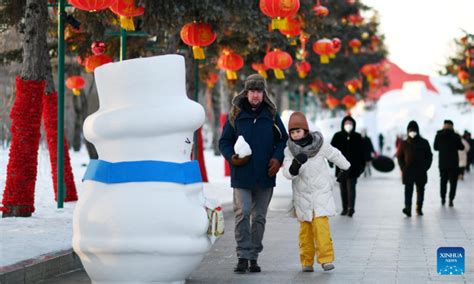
(279, 10)
(261, 68)
(95, 61)
(211, 80)
(332, 102)
(320, 10)
(324, 47)
(198, 35)
(76, 83)
(50, 120)
(353, 85)
(303, 68)
(19, 194)
(126, 10)
(470, 97)
(278, 61)
(349, 101)
(292, 29)
(230, 62)
(355, 45)
(91, 5)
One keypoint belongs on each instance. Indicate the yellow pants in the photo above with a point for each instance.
(315, 238)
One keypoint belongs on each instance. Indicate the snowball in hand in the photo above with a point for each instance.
(242, 148)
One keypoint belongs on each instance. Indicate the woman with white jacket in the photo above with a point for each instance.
(305, 164)
(463, 158)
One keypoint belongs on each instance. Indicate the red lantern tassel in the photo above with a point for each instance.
(50, 118)
(355, 50)
(263, 73)
(279, 74)
(231, 75)
(302, 74)
(324, 59)
(127, 23)
(279, 23)
(198, 52)
(19, 194)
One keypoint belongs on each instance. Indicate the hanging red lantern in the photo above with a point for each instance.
(292, 29)
(470, 97)
(356, 19)
(91, 5)
(355, 45)
(332, 102)
(198, 35)
(463, 77)
(98, 47)
(303, 69)
(211, 80)
(370, 71)
(95, 61)
(314, 87)
(353, 85)
(230, 62)
(261, 69)
(279, 10)
(75, 83)
(336, 47)
(126, 10)
(324, 47)
(320, 10)
(349, 101)
(278, 61)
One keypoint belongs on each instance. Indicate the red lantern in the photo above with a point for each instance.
(320, 10)
(292, 29)
(261, 69)
(95, 61)
(370, 71)
(349, 101)
(230, 62)
(91, 5)
(314, 87)
(470, 97)
(278, 60)
(324, 47)
(278, 10)
(336, 47)
(211, 80)
(332, 102)
(355, 44)
(353, 85)
(356, 19)
(463, 77)
(76, 83)
(126, 10)
(98, 47)
(198, 35)
(303, 69)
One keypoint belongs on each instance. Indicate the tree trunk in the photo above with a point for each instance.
(85, 112)
(215, 122)
(19, 193)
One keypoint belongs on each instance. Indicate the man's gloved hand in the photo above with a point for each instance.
(273, 167)
(236, 161)
(343, 174)
(301, 158)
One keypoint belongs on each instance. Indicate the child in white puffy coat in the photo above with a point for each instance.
(305, 164)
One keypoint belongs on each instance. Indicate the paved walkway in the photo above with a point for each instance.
(377, 245)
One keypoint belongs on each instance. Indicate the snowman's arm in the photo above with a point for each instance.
(227, 141)
(280, 145)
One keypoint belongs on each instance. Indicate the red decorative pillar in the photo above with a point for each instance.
(222, 120)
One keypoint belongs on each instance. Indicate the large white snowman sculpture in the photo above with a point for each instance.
(140, 218)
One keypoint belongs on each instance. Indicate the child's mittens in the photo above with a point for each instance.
(298, 160)
(242, 148)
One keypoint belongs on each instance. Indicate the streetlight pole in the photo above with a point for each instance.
(60, 161)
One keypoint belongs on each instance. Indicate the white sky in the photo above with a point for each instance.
(419, 34)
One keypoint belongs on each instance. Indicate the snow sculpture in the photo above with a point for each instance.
(141, 218)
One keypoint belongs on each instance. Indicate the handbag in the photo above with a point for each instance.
(216, 220)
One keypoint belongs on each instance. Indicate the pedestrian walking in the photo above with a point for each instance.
(470, 153)
(350, 143)
(369, 152)
(253, 116)
(305, 164)
(381, 143)
(463, 158)
(447, 142)
(414, 158)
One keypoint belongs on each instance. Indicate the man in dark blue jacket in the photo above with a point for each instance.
(253, 116)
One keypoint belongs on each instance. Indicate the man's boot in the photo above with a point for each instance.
(407, 211)
(418, 209)
(242, 266)
(254, 266)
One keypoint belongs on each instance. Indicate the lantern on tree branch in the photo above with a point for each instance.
(303, 69)
(353, 85)
(230, 62)
(75, 83)
(324, 47)
(332, 102)
(292, 29)
(95, 61)
(211, 80)
(279, 10)
(126, 10)
(320, 10)
(349, 101)
(470, 97)
(463, 77)
(355, 44)
(261, 68)
(278, 61)
(198, 35)
(91, 5)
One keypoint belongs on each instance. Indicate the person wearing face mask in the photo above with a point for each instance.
(414, 158)
(351, 145)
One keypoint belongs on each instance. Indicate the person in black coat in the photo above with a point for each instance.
(351, 145)
(414, 158)
(369, 152)
(447, 142)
